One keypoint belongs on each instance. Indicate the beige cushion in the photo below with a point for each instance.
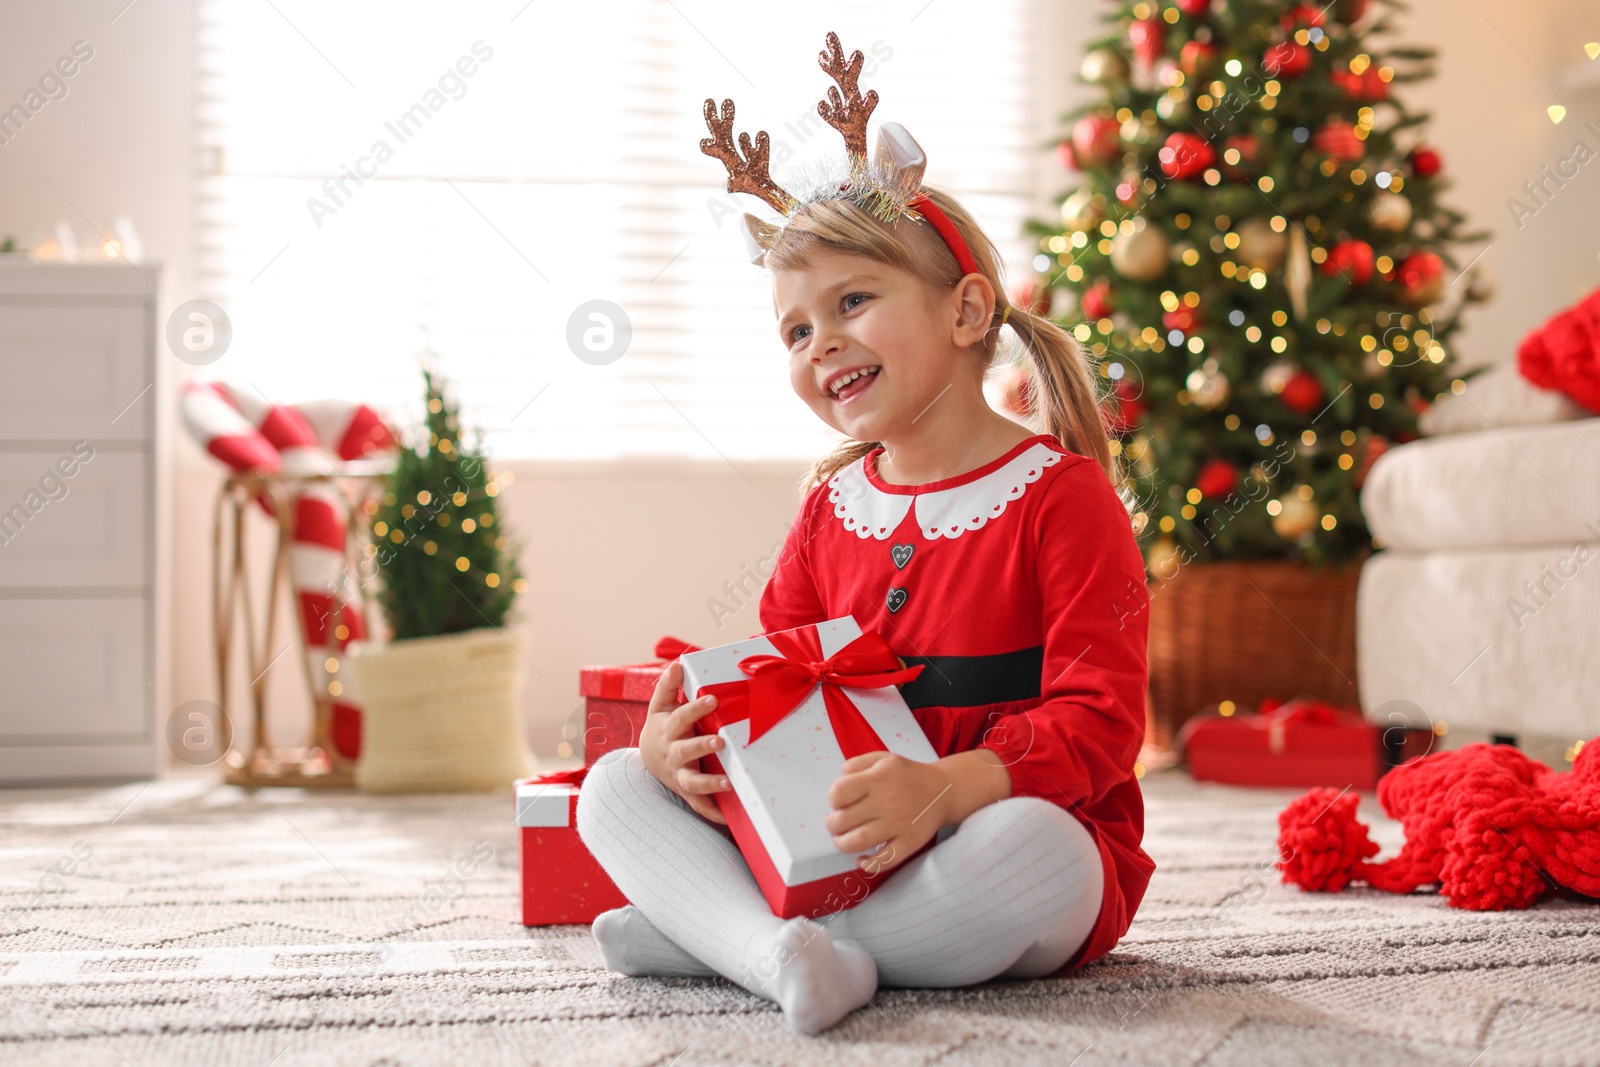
(1500, 396)
(1523, 485)
(1459, 636)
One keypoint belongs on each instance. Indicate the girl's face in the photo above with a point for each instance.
(847, 313)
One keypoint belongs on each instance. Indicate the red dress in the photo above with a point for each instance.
(1019, 584)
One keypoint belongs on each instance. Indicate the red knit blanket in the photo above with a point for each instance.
(1491, 828)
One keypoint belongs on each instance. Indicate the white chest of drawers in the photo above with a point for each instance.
(82, 432)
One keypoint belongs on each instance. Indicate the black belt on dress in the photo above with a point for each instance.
(968, 681)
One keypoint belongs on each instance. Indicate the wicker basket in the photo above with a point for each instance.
(442, 714)
(1248, 630)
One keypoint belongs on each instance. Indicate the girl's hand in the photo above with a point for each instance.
(885, 799)
(672, 750)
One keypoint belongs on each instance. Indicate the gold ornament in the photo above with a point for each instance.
(1208, 386)
(1082, 210)
(1260, 245)
(1104, 66)
(1295, 518)
(1297, 279)
(1276, 376)
(1390, 212)
(1163, 559)
(1140, 254)
(1482, 283)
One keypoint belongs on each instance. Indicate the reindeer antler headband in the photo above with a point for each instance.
(889, 185)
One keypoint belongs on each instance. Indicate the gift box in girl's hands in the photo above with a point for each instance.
(791, 708)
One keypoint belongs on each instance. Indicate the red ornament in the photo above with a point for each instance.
(1350, 11)
(1149, 37)
(1217, 479)
(1096, 141)
(1096, 300)
(1195, 55)
(1301, 15)
(1338, 140)
(1186, 319)
(1186, 156)
(1194, 8)
(1352, 259)
(1064, 154)
(1376, 446)
(1366, 87)
(1302, 393)
(1425, 162)
(1286, 60)
(1420, 277)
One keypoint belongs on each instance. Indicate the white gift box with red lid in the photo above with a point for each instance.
(561, 881)
(779, 782)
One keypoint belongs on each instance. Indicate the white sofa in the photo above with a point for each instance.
(1482, 610)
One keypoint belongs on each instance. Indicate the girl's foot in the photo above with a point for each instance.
(631, 944)
(816, 980)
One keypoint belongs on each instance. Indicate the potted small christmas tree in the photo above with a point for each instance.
(442, 696)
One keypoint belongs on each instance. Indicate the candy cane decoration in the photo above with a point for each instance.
(246, 432)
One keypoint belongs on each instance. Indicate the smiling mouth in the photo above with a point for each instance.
(856, 387)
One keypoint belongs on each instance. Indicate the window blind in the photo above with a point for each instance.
(381, 179)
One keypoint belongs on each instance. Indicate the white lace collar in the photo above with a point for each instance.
(871, 512)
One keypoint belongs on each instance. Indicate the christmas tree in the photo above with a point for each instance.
(1261, 262)
(444, 558)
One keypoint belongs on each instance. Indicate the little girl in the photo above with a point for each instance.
(1004, 561)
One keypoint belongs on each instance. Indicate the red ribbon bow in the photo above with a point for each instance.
(779, 683)
(567, 776)
(670, 647)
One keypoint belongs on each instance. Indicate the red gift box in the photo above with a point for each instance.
(1300, 743)
(616, 700)
(561, 881)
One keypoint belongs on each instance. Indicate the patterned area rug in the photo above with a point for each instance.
(179, 923)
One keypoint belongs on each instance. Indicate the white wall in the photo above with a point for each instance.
(618, 555)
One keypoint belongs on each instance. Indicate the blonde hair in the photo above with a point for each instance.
(1066, 401)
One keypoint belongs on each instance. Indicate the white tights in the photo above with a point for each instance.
(1013, 893)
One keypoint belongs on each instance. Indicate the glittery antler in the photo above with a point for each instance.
(847, 114)
(749, 173)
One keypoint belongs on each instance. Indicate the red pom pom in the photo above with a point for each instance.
(1320, 842)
